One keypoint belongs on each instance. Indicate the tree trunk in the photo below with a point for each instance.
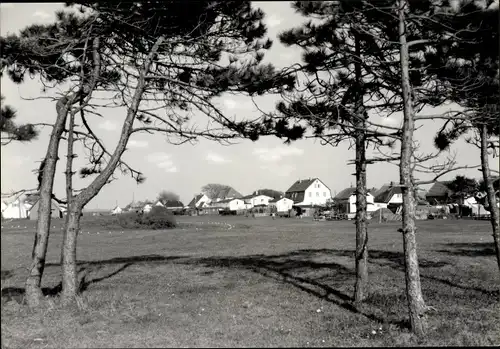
(70, 285)
(416, 304)
(69, 273)
(361, 228)
(490, 191)
(33, 282)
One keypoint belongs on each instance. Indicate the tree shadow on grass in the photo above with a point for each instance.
(86, 267)
(396, 261)
(286, 267)
(472, 249)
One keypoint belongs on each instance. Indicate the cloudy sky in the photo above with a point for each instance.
(247, 166)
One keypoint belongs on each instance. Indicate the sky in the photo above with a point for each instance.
(246, 166)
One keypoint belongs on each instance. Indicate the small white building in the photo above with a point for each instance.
(232, 204)
(282, 205)
(14, 207)
(116, 210)
(158, 203)
(347, 198)
(387, 195)
(147, 208)
(256, 200)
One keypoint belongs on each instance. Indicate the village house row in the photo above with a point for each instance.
(304, 196)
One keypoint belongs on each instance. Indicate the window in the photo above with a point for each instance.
(324, 193)
(310, 194)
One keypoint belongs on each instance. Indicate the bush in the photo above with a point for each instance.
(158, 218)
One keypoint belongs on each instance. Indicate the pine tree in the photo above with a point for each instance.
(12, 131)
(137, 52)
(469, 68)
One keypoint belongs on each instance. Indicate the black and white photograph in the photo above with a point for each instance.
(238, 174)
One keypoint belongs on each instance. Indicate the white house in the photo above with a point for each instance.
(388, 194)
(158, 203)
(14, 207)
(347, 198)
(200, 200)
(116, 210)
(282, 205)
(232, 204)
(310, 191)
(147, 208)
(256, 200)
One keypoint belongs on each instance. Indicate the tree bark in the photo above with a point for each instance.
(69, 271)
(490, 191)
(361, 212)
(416, 304)
(70, 285)
(33, 282)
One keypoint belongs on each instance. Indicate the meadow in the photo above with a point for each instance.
(252, 282)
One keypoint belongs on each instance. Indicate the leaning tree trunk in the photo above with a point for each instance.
(33, 282)
(70, 284)
(416, 304)
(361, 228)
(490, 191)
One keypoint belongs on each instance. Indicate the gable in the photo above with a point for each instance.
(386, 195)
(346, 193)
(439, 189)
(302, 185)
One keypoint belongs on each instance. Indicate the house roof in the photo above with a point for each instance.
(346, 193)
(196, 198)
(173, 203)
(227, 200)
(385, 193)
(278, 199)
(228, 193)
(439, 189)
(302, 184)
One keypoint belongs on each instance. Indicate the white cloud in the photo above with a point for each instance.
(277, 153)
(41, 14)
(137, 144)
(279, 170)
(273, 21)
(163, 161)
(108, 125)
(213, 157)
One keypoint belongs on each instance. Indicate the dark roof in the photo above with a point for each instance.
(299, 196)
(385, 193)
(301, 185)
(228, 193)
(439, 189)
(346, 193)
(278, 199)
(193, 202)
(173, 203)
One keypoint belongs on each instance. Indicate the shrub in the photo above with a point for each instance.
(158, 218)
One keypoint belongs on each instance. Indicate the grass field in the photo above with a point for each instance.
(244, 282)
